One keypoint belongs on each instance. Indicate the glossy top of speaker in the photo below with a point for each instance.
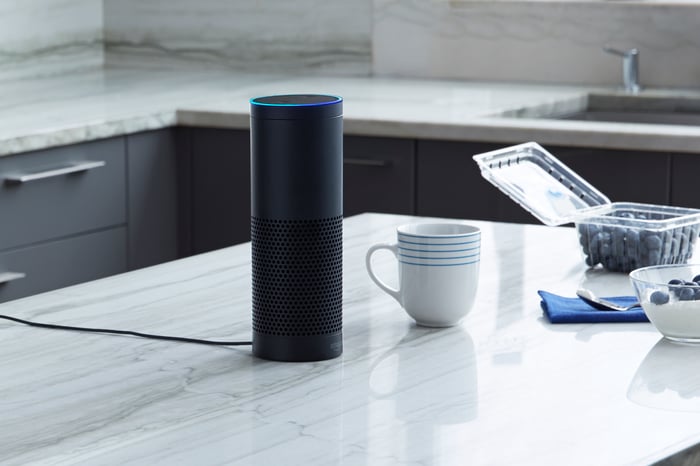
(296, 106)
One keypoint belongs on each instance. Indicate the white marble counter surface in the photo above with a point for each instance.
(45, 112)
(504, 387)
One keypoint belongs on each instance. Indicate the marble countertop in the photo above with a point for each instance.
(503, 387)
(46, 112)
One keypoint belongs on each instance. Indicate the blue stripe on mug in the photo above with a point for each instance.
(440, 265)
(439, 236)
(437, 244)
(439, 250)
(440, 258)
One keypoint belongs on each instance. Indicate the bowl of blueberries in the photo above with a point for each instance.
(670, 297)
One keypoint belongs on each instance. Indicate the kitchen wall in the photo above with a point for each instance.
(329, 36)
(40, 37)
(556, 42)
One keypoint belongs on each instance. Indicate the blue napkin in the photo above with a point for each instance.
(561, 310)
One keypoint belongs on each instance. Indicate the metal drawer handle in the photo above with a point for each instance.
(9, 276)
(72, 168)
(367, 162)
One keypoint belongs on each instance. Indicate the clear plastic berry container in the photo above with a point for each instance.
(621, 236)
(624, 236)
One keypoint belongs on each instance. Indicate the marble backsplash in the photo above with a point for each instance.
(46, 37)
(547, 42)
(326, 36)
(538, 41)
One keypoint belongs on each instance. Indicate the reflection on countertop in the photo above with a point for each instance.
(668, 377)
(447, 394)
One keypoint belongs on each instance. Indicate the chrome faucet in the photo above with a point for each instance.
(630, 67)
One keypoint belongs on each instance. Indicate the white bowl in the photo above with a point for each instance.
(673, 308)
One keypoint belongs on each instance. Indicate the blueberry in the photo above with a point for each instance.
(632, 242)
(684, 242)
(659, 297)
(696, 278)
(618, 242)
(665, 243)
(654, 257)
(686, 294)
(653, 242)
(675, 246)
(593, 250)
(675, 286)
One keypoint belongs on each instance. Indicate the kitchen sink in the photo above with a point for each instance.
(655, 118)
(619, 108)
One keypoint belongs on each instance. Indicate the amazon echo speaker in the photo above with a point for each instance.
(297, 226)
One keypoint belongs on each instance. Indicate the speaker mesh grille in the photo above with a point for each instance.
(297, 276)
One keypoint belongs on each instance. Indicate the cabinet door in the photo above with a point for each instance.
(449, 184)
(623, 176)
(378, 175)
(220, 188)
(685, 188)
(154, 198)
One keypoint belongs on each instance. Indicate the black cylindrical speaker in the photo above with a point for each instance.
(297, 226)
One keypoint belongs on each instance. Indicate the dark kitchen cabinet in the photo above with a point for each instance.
(685, 172)
(220, 210)
(157, 194)
(86, 211)
(62, 191)
(623, 176)
(89, 210)
(64, 216)
(378, 175)
(449, 184)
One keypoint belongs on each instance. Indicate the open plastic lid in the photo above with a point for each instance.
(540, 183)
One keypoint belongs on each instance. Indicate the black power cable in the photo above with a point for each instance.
(126, 332)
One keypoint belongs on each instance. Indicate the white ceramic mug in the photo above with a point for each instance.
(438, 271)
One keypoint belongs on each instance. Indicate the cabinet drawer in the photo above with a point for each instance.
(35, 269)
(62, 191)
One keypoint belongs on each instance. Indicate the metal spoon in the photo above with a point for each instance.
(601, 304)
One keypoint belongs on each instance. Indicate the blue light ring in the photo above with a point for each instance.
(252, 101)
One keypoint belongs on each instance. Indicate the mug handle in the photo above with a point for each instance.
(396, 294)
